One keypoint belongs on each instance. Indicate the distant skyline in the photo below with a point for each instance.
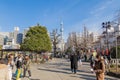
(73, 13)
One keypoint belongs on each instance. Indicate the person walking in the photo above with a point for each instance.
(26, 66)
(85, 56)
(11, 57)
(99, 67)
(94, 54)
(92, 61)
(79, 60)
(31, 57)
(18, 66)
(36, 58)
(4, 70)
(9, 68)
(74, 62)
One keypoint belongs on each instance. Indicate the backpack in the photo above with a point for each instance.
(19, 64)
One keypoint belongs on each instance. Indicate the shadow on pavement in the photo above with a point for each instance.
(55, 71)
(59, 64)
(86, 63)
(90, 77)
(87, 76)
(84, 71)
(34, 79)
(68, 69)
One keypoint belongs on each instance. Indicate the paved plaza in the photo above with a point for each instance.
(59, 69)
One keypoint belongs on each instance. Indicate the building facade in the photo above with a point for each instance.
(19, 38)
(15, 36)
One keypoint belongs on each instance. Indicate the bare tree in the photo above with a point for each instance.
(55, 38)
(74, 40)
(78, 40)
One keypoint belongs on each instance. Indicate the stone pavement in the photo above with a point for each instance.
(59, 69)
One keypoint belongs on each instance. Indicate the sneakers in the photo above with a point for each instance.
(74, 72)
(29, 77)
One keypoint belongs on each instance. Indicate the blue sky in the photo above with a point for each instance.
(74, 14)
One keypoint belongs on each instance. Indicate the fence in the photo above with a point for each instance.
(113, 61)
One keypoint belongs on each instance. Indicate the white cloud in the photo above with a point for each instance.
(93, 23)
(101, 7)
(98, 15)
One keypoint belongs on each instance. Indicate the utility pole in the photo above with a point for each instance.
(107, 26)
(116, 48)
(117, 31)
(116, 55)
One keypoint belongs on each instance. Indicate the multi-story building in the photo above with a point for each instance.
(19, 38)
(96, 40)
(24, 33)
(12, 39)
(16, 32)
(4, 34)
(108, 40)
(1, 40)
(3, 37)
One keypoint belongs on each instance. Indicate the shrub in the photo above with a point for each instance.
(113, 52)
(118, 66)
(112, 66)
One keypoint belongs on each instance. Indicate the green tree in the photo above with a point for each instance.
(1, 47)
(37, 39)
(1, 53)
(113, 52)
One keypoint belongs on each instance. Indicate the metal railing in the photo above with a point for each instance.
(113, 61)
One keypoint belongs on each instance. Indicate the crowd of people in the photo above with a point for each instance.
(16, 65)
(97, 63)
(11, 62)
(20, 64)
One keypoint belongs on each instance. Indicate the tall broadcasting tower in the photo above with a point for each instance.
(62, 40)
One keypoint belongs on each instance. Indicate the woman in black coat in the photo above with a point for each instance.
(74, 62)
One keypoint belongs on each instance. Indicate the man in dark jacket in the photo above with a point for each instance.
(74, 62)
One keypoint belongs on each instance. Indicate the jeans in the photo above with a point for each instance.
(74, 70)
